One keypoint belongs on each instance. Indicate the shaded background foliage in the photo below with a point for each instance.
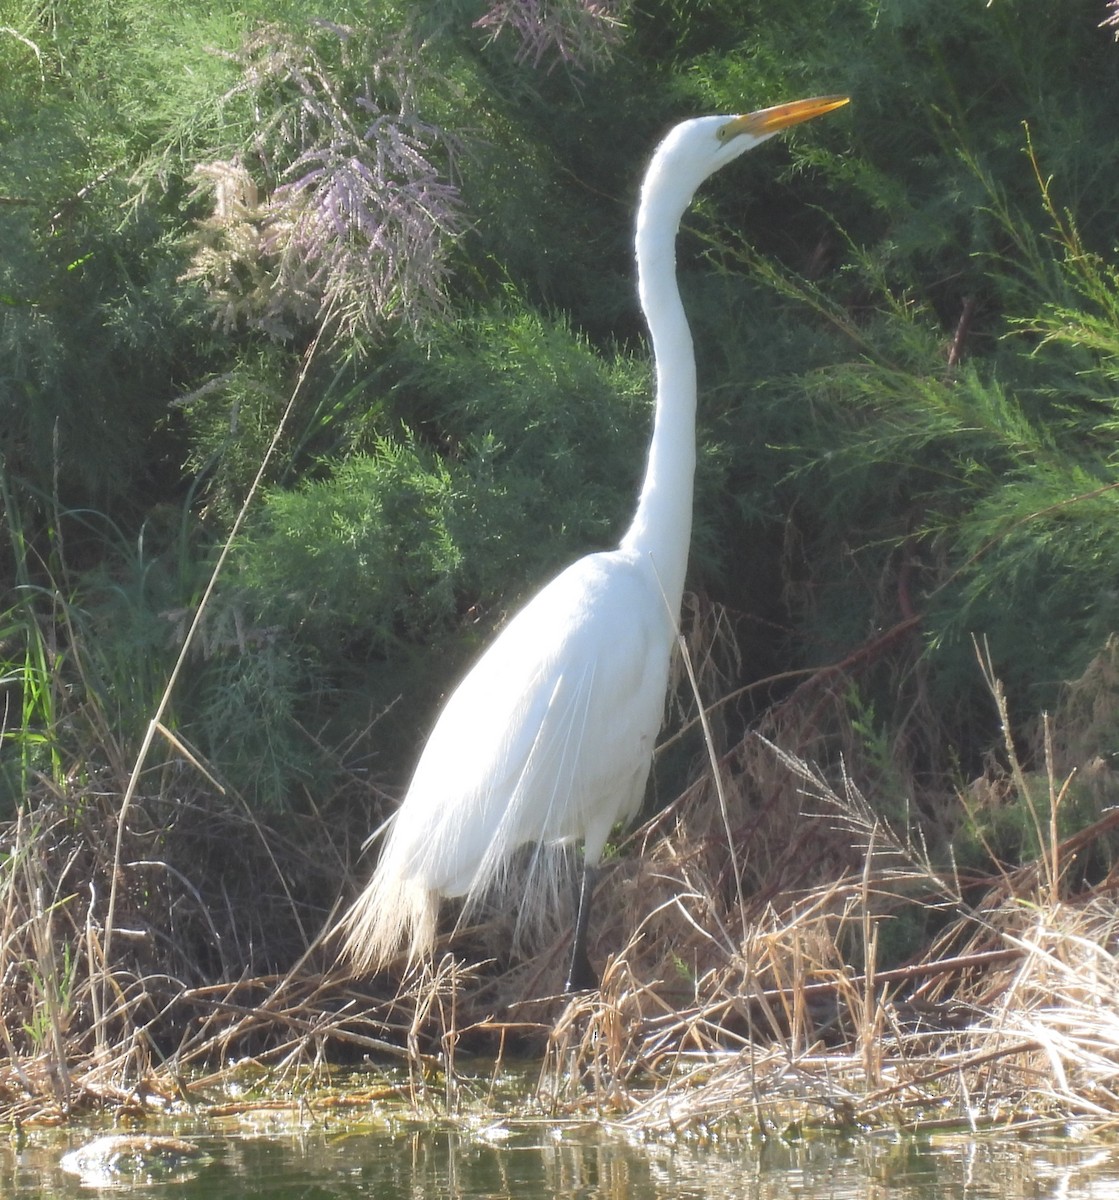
(905, 319)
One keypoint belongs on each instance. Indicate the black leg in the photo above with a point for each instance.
(581, 976)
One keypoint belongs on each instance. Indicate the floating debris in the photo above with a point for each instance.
(123, 1158)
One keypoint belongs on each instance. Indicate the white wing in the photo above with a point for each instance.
(550, 735)
(548, 738)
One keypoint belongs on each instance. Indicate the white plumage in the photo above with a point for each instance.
(549, 738)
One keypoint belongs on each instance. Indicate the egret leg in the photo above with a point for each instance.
(581, 976)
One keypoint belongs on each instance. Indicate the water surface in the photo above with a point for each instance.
(542, 1160)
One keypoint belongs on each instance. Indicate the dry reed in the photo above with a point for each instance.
(746, 985)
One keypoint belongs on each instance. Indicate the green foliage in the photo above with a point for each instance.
(367, 549)
(496, 454)
(28, 700)
(995, 475)
(93, 322)
(28, 691)
(905, 320)
(245, 711)
(233, 417)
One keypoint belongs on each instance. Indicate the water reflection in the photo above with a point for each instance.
(513, 1163)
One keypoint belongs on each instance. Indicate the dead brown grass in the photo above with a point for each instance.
(758, 969)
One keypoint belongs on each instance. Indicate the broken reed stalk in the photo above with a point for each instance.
(870, 1025)
(716, 778)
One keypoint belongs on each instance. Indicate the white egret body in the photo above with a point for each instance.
(550, 736)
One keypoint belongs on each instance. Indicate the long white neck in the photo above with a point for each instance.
(662, 525)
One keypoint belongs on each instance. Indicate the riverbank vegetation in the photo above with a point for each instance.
(319, 350)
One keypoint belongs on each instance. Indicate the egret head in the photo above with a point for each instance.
(697, 148)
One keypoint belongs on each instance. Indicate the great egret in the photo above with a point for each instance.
(549, 738)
